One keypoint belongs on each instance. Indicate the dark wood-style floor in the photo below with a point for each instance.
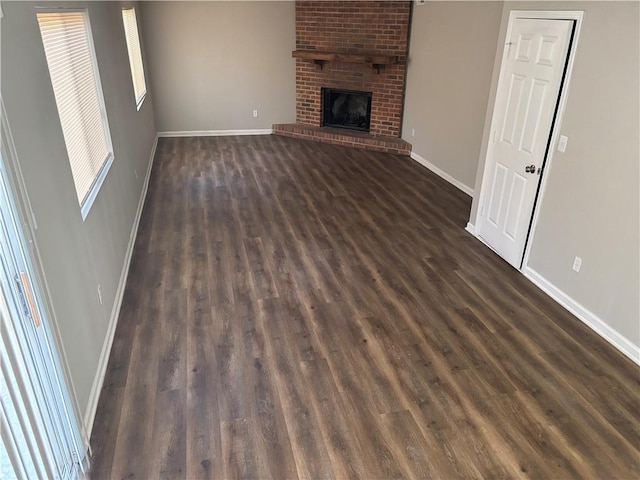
(303, 310)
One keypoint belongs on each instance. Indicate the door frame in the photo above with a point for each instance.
(25, 218)
(577, 17)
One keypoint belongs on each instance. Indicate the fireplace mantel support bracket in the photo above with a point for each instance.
(320, 63)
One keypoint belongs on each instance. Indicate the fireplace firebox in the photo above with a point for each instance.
(346, 109)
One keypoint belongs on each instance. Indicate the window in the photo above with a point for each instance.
(76, 87)
(135, 55)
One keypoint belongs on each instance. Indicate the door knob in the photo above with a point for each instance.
(530, 169)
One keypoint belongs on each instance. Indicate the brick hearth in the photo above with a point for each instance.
(352, 27)
(340, 136)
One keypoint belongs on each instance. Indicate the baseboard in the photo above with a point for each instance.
(98, 380)
(215, 133)
(442, 174)
(471, 228)
(586, 316)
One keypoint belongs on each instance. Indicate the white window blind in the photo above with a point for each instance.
(135, 54)
(70, 57)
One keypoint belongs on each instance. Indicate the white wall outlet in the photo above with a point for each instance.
(420, 2)
(577, 263)
(99, 294)
(255, 113)
(413, 132)
(562, 143)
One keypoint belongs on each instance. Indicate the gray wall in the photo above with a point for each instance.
(76, 255)
(453, 46)
(212, 63)
(590, 207)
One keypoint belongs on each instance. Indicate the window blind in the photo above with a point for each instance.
(69, 54)
(135, 54)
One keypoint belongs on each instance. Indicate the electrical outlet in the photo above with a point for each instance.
(420, 2)
(577, 263)
(99, 294)
(255, 113)
(413, 132)
(562, 143)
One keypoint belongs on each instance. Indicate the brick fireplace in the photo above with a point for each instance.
(351, 46)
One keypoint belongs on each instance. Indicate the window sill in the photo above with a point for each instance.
(95, 189)
(141, 101)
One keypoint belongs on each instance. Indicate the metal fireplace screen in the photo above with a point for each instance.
(346, 109)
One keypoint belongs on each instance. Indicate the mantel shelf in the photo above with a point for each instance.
(322, 57)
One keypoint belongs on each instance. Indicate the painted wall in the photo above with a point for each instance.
(451, 55)
(76, 256)
(212, 63)
(590, 206)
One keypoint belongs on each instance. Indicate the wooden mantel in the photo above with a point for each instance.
(322, 57)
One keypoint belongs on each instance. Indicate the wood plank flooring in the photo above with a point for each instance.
(304, 310)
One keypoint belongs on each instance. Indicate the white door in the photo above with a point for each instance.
(526, 101)
(40, 436)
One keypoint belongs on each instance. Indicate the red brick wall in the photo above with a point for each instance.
(380, 27)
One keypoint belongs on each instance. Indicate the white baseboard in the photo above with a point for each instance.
(588, 317)
(215, 133)
(98, 380)
(442, 174)
(471, 228)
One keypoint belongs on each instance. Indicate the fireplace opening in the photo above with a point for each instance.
(346, 109)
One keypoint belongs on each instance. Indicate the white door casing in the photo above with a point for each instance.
(40, 434)
(528, 92)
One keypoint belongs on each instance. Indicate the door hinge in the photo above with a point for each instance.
(508, 45)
